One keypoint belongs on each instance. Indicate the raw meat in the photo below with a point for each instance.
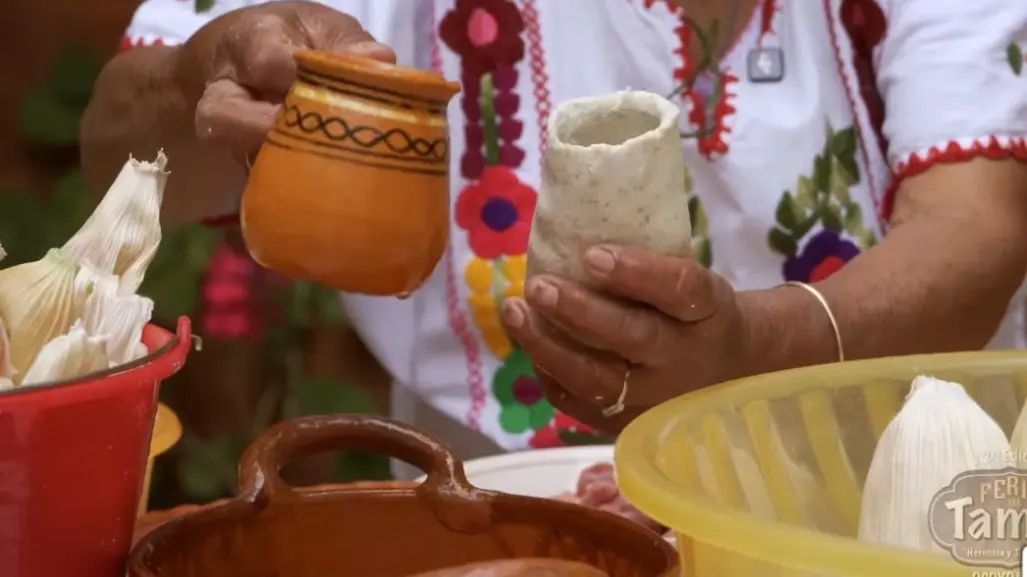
(597, 489)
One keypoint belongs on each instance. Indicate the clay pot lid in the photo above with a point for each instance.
(375, 73)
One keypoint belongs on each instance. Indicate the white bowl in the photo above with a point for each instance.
(535, 473)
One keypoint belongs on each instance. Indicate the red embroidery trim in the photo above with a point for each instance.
(128, 43)
(851, 97)
(713, 141)
(539, 76)
(768, 9)
(951, 152)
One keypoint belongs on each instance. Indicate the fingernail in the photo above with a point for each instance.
(600, 260)
(544, 293)
(513, 315)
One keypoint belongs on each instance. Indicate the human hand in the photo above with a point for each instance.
(674, 324)
(239, 67)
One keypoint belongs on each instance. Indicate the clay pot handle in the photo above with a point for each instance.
(259, 468)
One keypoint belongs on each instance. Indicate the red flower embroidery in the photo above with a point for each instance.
(549, 436)
(484, 33)
(496, 212)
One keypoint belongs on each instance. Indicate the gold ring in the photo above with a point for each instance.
(618, 407)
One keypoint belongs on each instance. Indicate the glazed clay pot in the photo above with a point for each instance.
(388, 531)
(351, 186)
(613, 174)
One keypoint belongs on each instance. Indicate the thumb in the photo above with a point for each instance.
(227, 114)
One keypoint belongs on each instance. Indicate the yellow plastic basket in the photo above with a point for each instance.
(762, 477)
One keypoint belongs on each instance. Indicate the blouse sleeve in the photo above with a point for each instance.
(954, 82)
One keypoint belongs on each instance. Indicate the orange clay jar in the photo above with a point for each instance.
(351, 187)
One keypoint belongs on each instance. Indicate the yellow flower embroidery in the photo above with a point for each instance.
(478, 275)
(514, 268)
(481, 300)
(497, 341)
(514, 290)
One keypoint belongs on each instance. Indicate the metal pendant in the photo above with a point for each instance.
(766, 64)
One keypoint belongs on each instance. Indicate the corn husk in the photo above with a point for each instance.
(939, 433)
(119, 318)
(122, 235)
(68, 356)
(39, 301)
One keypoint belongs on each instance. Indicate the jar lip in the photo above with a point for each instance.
(414, 83)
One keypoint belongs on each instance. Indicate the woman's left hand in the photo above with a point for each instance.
(655, 326)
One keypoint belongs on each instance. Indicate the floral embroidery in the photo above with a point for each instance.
(523, 405)
(495, 207)
(707, 112)
(565, 431)
(822, 199)
(496, 212)
(825, 254)
(1016, 57)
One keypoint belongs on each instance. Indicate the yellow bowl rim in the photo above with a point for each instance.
(642, 483)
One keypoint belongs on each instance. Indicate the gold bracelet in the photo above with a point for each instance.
(827, 309)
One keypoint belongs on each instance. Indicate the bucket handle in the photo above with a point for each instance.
(457, 503)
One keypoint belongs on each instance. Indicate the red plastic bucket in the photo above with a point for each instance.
(72, 460)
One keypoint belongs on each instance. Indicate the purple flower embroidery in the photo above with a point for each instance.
(824, 254)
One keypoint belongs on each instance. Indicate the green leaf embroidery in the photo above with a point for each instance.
(803, 229)
(805, 193)
(203, 5)
(697, 214)
(489, 126)
(843, 143)
(831, 217)
(1015, 56)
(866, 240)
(782, 243)
(839, 186)
(788, 213)
(702, 251)
(854, 220)
(822, 173)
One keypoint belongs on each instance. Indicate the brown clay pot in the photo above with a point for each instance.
(351, 187)
(392, 531)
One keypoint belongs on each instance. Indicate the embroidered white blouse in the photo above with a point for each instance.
(792, 177)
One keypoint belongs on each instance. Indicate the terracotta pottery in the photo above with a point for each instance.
(392, 531)
(351, 187)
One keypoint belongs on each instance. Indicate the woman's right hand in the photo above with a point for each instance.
(238, 68)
